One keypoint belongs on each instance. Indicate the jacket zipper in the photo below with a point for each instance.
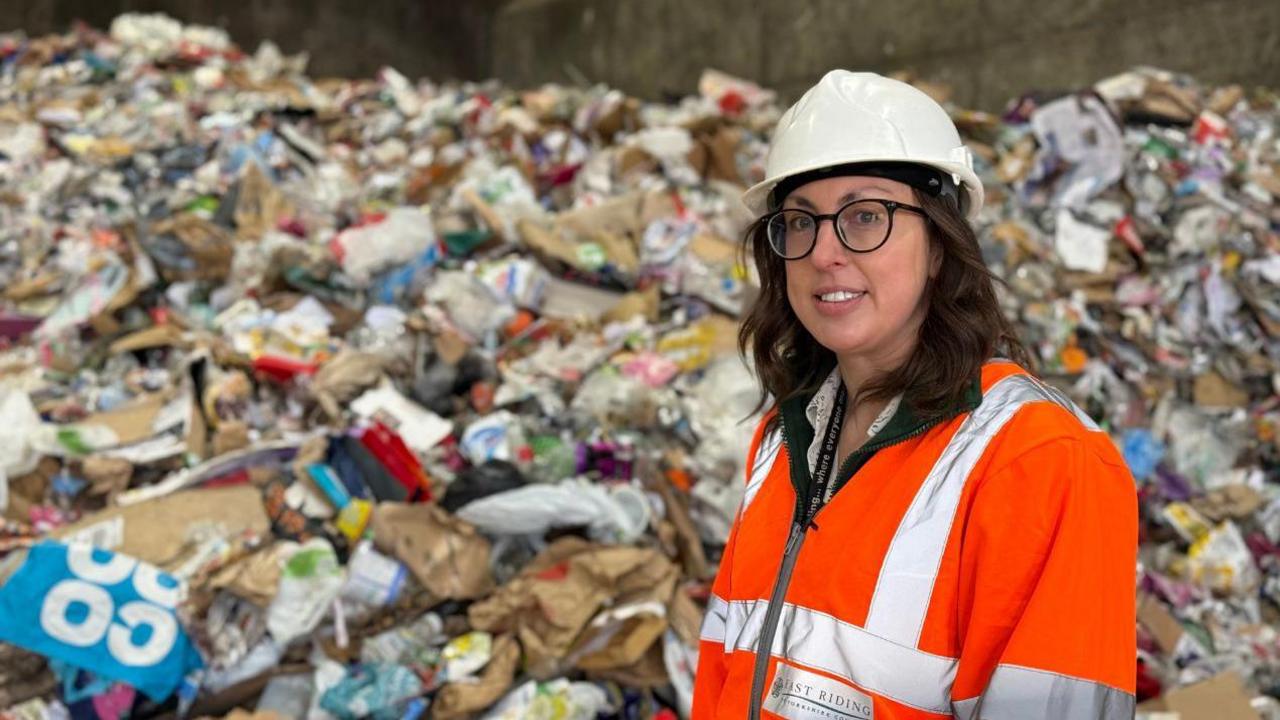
(795, 539)
(790, 554)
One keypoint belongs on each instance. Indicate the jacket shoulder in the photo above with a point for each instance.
(1025, 413)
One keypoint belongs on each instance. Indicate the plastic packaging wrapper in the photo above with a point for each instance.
(464, 655)
(460, 699)
(555, 700)
(372, 691)
(428, 393)
(90, 602)
(407, 643)
(286, 696)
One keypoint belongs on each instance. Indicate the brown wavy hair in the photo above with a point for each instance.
(962, 329)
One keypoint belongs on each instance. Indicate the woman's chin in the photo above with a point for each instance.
(842, 345)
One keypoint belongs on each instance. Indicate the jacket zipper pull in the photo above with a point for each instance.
(797, 532)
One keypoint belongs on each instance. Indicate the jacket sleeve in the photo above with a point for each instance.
(710, 676)
(1047, 602)
(708, 680)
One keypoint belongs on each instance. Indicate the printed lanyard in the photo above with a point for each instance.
(826, 457)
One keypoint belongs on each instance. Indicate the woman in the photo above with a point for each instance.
(927, 531)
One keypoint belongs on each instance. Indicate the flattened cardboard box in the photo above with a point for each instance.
(157, 531)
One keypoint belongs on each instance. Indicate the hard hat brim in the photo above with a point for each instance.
(756, 198)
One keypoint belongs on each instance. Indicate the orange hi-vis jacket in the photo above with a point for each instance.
(978, 566)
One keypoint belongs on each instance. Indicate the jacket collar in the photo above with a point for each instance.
(804, 416)
(820, 406)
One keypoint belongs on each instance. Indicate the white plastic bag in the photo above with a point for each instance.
(403, 235)
(618, 514)
(558, 699)
(21, 424)
(310, 580)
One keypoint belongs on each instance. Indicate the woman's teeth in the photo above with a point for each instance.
(840, 296)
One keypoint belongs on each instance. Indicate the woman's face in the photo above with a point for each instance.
(881, 321)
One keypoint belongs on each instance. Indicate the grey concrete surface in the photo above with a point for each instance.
(987, 50)
(350, 38)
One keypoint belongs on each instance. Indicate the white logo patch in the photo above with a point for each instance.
(798, 694)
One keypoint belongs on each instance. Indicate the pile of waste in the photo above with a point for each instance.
(1137, 227)
(385, 398)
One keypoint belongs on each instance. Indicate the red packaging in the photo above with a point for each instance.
(389, 448)
(283, 369)
(1128, 233)
(1210, 127)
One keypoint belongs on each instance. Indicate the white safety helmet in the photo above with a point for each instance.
(853, 118)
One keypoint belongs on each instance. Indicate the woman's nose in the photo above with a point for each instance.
(827, 248)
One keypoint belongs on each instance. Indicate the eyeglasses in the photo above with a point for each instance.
(862, 226)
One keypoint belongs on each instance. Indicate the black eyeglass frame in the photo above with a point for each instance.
(892, 206)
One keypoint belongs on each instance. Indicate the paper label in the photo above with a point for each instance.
(798, 694)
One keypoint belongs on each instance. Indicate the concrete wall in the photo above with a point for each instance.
(987, 50)
(345, 37)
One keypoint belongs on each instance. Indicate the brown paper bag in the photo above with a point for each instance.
(259, 204)
(255, 578)
(447, 555)
(550, 603)
(621, 644)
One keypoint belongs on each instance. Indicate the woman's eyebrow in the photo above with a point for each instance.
(850, 197)
(845, 200)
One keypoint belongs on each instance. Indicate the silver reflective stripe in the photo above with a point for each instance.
(818, 640)
(1060, 398)
(910, 566)
(713, 623)
(965, 709)
(766, 453)
(1017, 692)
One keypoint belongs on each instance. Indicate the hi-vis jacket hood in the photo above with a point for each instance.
(977, 566)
